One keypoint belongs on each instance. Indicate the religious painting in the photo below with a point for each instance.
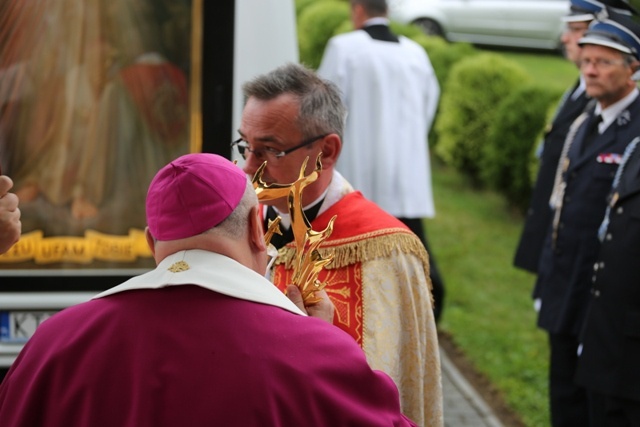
(95, 97)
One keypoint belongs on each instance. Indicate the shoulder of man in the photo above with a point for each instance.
(356, 214)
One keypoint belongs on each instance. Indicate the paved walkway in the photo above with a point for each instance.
(462, 405)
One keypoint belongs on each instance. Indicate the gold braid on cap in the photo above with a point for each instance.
(308, 261)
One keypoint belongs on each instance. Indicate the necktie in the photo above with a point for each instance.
(592, 131)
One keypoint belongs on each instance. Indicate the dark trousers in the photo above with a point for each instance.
(416, 225)
(610, 411)
(569, 403)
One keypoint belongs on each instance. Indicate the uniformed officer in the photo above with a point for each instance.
(589, 160)
(572, 104)
(608, 365)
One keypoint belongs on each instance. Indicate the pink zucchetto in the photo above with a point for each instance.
(192, 194)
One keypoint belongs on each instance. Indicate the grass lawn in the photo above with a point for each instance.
(488, 307)
(547, 68)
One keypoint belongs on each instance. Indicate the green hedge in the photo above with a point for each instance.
(345, 27)
(468, 106)
(302, 5)
(443, 55)
(508, 158)
(316, 25)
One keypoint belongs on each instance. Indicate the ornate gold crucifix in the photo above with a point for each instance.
(308, 261)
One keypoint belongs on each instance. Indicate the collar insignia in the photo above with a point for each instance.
(624, 118)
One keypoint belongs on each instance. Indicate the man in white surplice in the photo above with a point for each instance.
(391, 93)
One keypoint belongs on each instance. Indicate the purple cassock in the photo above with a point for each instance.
(191, 356)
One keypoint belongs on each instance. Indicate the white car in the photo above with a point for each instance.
(513, 23)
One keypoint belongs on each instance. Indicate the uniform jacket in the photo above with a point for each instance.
(610, 357)
(564, 272)
(539, 213)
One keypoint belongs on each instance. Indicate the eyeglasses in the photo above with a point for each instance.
(244, 149)
(600, 63)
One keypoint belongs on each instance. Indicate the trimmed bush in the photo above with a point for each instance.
(316, 25)
(443, 54)
(512, 138)
(407, 30)
(534, 164)
(302, 5)
(345, 27)
(468, 106)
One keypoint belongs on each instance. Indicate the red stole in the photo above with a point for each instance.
(361, 231)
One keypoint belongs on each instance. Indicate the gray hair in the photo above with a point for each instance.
(235, 226)
(321, 108)
(372, 7)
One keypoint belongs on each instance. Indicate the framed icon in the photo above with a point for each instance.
(95, 97)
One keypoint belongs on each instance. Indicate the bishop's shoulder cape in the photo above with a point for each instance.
(169, 353)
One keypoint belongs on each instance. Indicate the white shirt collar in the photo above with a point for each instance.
(211, 271)
(611, 113)
(337, 189)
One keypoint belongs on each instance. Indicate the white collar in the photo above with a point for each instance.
(337, 189)
(611, 113)
(211, 271)
(285, 218)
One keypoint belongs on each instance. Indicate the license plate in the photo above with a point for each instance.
(19, 326)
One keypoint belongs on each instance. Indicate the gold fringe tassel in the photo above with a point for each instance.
(368, 247)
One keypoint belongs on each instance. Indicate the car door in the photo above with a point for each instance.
(475, 20)
(537, 22)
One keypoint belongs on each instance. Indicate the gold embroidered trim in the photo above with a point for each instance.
(363, 248)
